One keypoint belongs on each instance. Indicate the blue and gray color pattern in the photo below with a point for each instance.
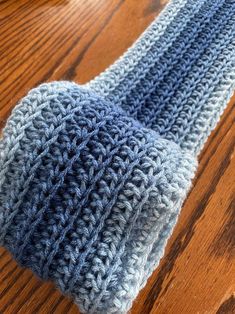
(92, 178)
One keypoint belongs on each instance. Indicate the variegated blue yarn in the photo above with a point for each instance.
(92, 178)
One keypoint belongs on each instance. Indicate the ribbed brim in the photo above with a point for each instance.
(88, 195)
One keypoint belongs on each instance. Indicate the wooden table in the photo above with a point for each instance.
(74, 40)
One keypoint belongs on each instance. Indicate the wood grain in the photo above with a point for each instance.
(75, 40)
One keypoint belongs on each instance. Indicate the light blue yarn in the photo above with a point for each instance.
(92, 178)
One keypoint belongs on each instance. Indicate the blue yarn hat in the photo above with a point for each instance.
(92, 178)
(84, 186)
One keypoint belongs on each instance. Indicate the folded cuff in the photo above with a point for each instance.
(88, 196)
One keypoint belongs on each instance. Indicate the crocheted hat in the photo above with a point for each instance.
(92, 178)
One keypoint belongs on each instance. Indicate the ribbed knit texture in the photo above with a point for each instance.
(92, 178)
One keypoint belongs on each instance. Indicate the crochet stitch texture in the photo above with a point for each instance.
(92, 178)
